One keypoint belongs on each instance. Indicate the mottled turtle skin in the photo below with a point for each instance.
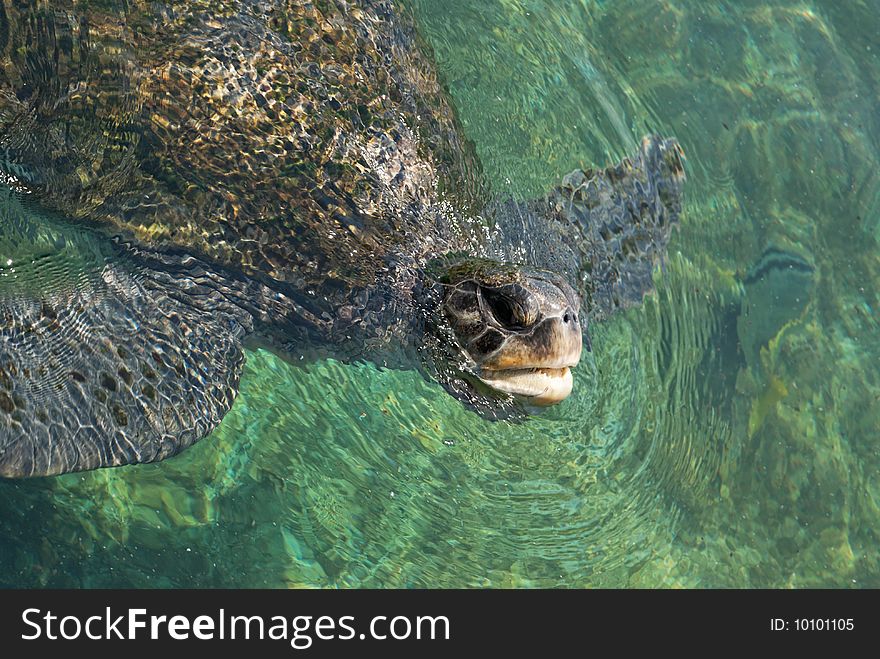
(280, 173)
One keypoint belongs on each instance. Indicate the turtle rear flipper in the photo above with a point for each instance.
(115, 364)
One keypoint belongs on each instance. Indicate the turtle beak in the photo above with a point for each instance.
(535, 366)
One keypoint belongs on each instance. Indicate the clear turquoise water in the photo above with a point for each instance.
(678, 461)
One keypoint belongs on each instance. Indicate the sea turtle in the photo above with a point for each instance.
(287, 174)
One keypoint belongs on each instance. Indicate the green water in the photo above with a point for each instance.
(679, 460)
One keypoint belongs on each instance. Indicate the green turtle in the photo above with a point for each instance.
(279, 173)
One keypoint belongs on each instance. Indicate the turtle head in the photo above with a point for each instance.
(517, 329)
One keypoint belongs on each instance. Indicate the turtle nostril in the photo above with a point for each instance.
(568, 317)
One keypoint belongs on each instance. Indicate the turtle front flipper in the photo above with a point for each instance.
(625, 214)
(103, 361)
(619, 220)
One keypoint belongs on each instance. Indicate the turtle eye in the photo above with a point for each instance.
(509, 310)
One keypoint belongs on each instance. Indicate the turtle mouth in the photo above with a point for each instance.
(537, 386)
